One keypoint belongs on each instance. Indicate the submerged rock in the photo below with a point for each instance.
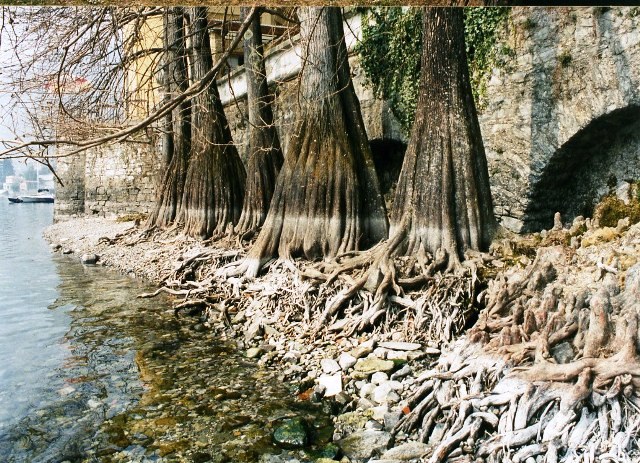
(291, 434)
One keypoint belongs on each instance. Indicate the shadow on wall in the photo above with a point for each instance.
(589, 165)
(388, 156)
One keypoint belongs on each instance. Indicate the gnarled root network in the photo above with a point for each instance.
(422, 296)
(550, 369)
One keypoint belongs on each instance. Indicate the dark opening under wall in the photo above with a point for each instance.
(589, 165)
(388, 156)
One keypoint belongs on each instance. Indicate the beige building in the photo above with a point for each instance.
(143, 90)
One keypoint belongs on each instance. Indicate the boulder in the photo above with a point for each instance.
(362, 445)
(408, 451)
(89, 258)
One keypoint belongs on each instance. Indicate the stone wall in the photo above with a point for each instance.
(561, 121)
(70, 196)
(109, 180)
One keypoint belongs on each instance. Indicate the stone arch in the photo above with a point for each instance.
(388, 155)
(593, 161)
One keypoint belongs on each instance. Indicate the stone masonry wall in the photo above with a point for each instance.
(567, 74)
(109, 180)
(70, 196)
(122, 178)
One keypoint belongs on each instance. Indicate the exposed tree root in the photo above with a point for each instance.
(550, 370)
(372, 290)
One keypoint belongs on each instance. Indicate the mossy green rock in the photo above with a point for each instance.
(372, 365)
(291, 434)
(329, 452)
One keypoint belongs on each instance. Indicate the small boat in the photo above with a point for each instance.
(43, 196)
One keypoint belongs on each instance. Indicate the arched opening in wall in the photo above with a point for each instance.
(387, 157)
(589, 165)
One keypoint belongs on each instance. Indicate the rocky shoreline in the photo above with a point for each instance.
(364, 379)
(376, 384)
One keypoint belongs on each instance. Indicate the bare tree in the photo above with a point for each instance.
(214, 186)
(176, 139)
(327, 200)
(265, 155)
(58, 49)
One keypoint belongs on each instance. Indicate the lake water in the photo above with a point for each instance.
(90, 373)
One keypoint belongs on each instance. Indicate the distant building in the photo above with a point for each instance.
(12, 183)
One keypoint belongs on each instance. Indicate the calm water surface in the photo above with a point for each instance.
(90, 373)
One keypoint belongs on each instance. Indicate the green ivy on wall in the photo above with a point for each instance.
(392, 43)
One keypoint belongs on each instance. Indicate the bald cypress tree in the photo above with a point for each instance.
(176, 139)
(327, 200)
(443, 201)
(442, 205)
(265, 155)
(214, 186)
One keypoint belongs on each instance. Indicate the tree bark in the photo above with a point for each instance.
(176, 141)
(443, 199)
(265, 155)
(214, 187)
(327, 200)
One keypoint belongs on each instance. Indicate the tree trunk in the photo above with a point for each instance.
(327, 199)
(176, 141)
(215, 180)
(265, 156)
(443, 199)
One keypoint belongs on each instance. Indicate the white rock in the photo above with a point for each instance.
(378, 413)
(396, 385)
(346, 361)
(89, 258)
(94, 403)
(367, 390)
(402, 372)
(396, 345)
(380, 352)
(331, 383)
(329, 366)
(623, 192)
(397, 355)
(379, 377)
(408, 451)
(380, 393)
(292, 357)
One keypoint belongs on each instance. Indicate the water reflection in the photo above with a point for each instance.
(138, 384)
